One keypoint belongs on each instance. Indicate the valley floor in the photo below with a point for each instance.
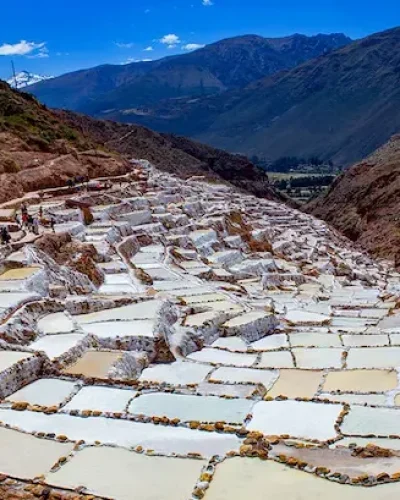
(211, 344)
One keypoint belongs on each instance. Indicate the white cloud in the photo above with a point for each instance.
(148, 49)
(170, 40)
(122, 45)
(21, 49)
(207, 3)
(193, 46)
(42, 53)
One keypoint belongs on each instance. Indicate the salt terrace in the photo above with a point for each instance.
(233, 346)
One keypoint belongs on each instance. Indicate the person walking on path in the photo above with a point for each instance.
(5, 236)
(36, 226)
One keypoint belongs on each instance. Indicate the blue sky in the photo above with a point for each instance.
(56, 36)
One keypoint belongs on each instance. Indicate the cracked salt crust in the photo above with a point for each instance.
(203, 409)
(295, 418)
(117, 473)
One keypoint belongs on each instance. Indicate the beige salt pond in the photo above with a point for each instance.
(19, 274)
(296, 384)
(360, 381)
(124, 475)
(94, 364)
(31, 456)
(240, 478)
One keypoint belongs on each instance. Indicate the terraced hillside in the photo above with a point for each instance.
(226, 343)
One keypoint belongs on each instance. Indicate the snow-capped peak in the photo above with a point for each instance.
(25, 78)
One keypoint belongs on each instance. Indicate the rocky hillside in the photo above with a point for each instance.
(40, 149)
(173, 154)
(227, 64)
(364, 202)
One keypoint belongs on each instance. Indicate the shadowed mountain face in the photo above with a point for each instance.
(364, 202)
(224, 65)
(40, 148)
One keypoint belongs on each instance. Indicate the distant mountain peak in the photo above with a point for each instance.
(25, 78)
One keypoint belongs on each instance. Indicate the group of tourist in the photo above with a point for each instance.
(28, 221)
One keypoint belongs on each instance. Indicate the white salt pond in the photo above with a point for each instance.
(314, 340)
(44, 392)
(374, 357)
(219, 357)
(376, 421)
(56, 323)
(142, 310)
(114, 329)
(117, 473)
(106, 399)
(186, 408)
(231, 344)
(270, 343)
(295, 418)
(9, 358)
(56, 345)
(123, 433)
(357, 399)
(178, 373)
(244, 375)
(318, 358)
(233, 390)
(14, 299)
(276, 359)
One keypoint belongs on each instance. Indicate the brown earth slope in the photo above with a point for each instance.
(40, 148)
(364, 202)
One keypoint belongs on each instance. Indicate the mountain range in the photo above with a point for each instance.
(296, 96)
